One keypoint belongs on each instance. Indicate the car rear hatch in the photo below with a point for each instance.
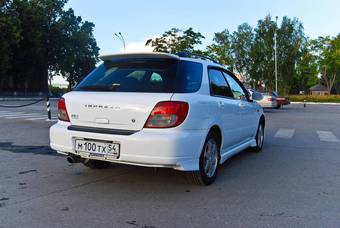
(122, 92)
(123, 111)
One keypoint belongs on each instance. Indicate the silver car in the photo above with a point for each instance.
(267, 100)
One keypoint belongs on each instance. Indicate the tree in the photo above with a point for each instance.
(36, 50)
(291, 48)
(242, 44)
(336, 44)
(46, 42)
(9, 38)
(306, 74)
(80, 51)
(330, 61)
(290, 42)
(326, 50)
(262, 53)
(221, 48)
(176, 40)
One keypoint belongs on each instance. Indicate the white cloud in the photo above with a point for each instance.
(134, 47)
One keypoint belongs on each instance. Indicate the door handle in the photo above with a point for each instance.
(221, 104)
(242, 106)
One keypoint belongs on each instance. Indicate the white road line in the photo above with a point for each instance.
(26, 116)
(23, 114)
(11, 114)
(37, 118)
(285, 133)
(52, 120)
(327, 136)
(23, 117)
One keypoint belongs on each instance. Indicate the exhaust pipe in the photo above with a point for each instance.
(73, 159)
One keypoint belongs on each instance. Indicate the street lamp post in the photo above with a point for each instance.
(121, 38)
(275, 57)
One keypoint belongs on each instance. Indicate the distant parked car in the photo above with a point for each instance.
(281, 100)
(267, 100)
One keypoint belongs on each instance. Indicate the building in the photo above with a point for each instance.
(318, 90)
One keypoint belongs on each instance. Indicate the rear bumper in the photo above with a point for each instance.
(173, 148)
(272, 104)
(286, 103)
(283, 101)
(280, 102)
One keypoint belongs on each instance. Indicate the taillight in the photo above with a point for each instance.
(167, 114)
(62, 112)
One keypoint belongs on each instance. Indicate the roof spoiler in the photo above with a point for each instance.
(158, 55)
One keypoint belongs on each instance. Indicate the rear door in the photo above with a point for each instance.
(112, 110)
(246, 110)
(121, 93)
(221, 94)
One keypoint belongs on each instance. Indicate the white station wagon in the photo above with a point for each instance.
(183, 111)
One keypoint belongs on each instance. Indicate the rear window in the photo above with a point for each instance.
(145, 76)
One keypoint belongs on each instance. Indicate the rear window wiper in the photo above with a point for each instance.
(100, 87)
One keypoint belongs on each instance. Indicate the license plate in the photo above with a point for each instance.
(98, 149)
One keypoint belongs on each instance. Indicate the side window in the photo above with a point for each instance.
(218, 84)
(191, 76)
(138, 74)
(156, 78)
(236, 89)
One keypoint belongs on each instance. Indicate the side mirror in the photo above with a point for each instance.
(256, 96)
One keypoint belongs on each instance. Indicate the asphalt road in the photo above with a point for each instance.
(293, 182)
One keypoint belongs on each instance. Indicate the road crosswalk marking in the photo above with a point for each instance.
(40, 118)
(327, 136)
(285, 133)
(324, 136)
(19, 115)
(25, 116)
(11, 114)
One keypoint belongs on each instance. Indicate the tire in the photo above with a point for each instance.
(259, 138)
(96, 164)
(207, 173)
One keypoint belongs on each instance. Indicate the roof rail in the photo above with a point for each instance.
(193, 55)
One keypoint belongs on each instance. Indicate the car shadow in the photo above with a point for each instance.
(141, 175)
(27, 149)
(146, 176)
(236, 161)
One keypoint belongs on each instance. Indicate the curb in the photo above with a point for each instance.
(24, 99)
(314, 103)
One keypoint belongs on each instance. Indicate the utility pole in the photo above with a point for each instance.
(275, 57)
(121, 38)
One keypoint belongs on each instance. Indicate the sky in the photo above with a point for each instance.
(139, 20)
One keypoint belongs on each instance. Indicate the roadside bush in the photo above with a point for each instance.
(57, 91)
(315, 98)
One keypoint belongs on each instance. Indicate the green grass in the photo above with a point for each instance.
(315, 98)
(58, 91)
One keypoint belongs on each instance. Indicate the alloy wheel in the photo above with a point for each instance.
(210, 161)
